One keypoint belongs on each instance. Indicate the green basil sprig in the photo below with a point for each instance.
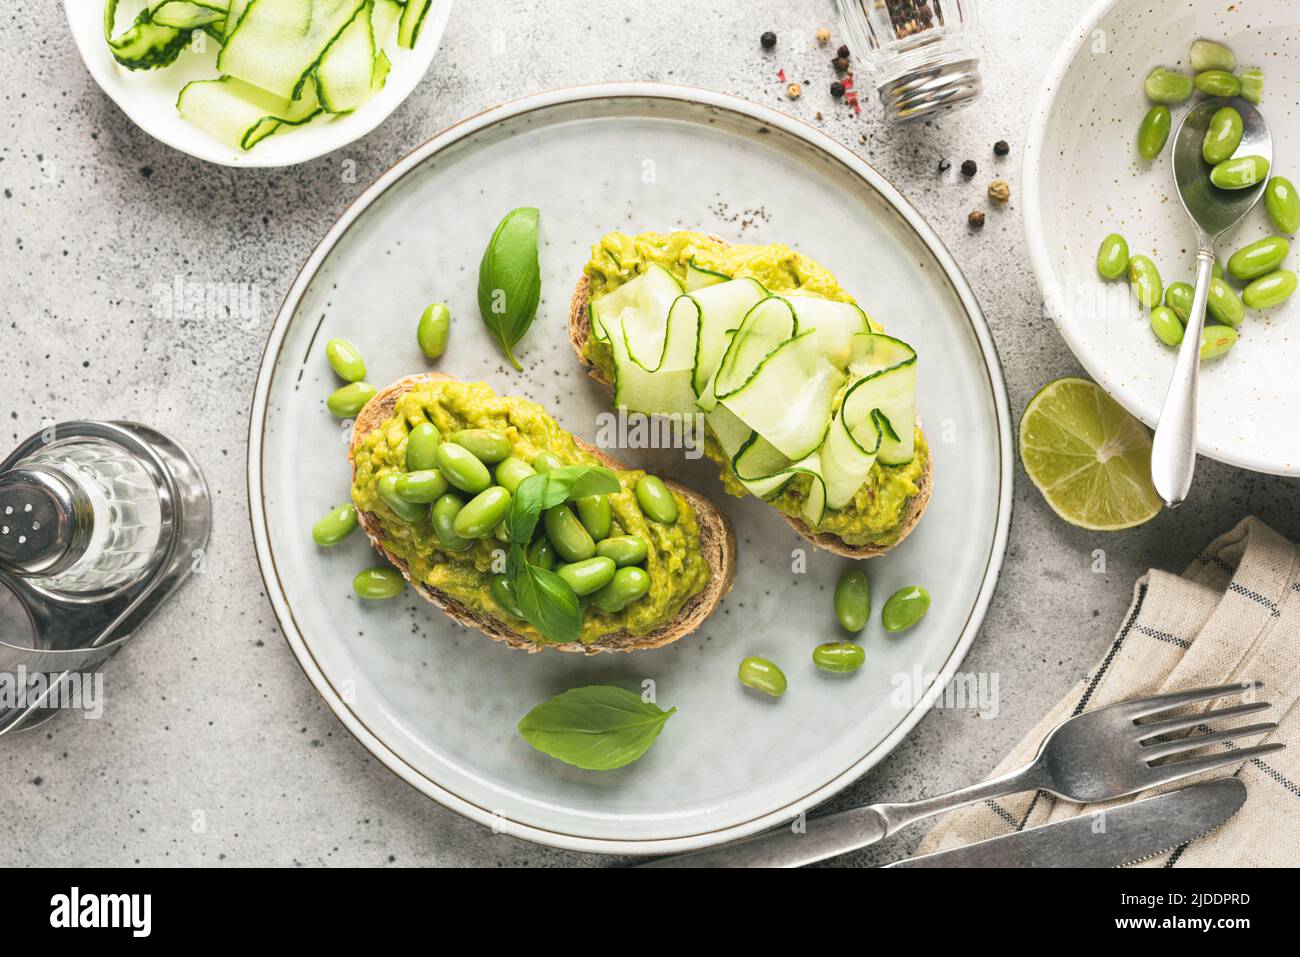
(544, 490)
(548, 602)
(598, 727)
(510, 280)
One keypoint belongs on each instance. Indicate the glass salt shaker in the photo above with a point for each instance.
(920, 54)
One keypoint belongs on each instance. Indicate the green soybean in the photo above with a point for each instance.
(627, 585)
(1241, 172)
(596, 515)
(655, 499)
(545, 461)
(347, 401)
(541, 553)
(487, 446)
(1153, 132)
(571, 540)
(432, 332)
(422, 447)
(853, 600)
(345, 359)
(839, 657)
(423, 487)
(503, 593)
(905, 608)
(1208, 55)
(1268, 291)
(1178, 297)
(1145, 280)
(1167, 86)
(589, 575)
(1216, 341)
(462, 468)
(511, 471)
(1283, 204)
(444, 515)
(1217, 83)
(378, 583)
(407, 511)
(335, 526)
(1222, 137)
(482, 513)
(1216, 269)
(1259, 258)
(1112, 257)
(1166, 325)
(624, 549)
(762, 675)
(1224, 304)
(1252, 85)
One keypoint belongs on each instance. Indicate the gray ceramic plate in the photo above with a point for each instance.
(438, 703)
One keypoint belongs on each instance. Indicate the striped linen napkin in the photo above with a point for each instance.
(1233, 615)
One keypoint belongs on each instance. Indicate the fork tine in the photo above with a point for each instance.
(1163, 702)
(1155, 752)
(1177, 770)
(1156, 728)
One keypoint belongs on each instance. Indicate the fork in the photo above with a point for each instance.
(1095, 756)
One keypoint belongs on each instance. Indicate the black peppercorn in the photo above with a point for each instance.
(837, 89)
(976, 219)
(944, 166)
(841, 65)
(968, 168)
(843, 51)
(768, 40)
(1001, 147)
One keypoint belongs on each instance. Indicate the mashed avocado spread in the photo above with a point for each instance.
(675, 564)
(876, 513)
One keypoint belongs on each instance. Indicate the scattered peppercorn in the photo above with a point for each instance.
(768, 40)
(1001, 147)
(944, 166)
(976, 219)
(793, 91)
(819, 114)
(999, 190)
(968, 168)
(843, 51)
(823, 36)
(841, 64)
(837, 89)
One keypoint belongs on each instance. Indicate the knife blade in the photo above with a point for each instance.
(1110, 838)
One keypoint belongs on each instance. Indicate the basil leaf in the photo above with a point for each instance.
(598, 727)
(525, 509)
(548, 602)
(545, 490)
(510, 280)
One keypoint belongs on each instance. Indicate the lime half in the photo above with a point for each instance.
(1089, 458)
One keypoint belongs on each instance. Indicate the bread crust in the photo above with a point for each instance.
(717, 544)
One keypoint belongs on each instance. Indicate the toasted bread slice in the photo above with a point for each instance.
(717, 544)
(580, 332)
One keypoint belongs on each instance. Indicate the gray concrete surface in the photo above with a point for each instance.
(211, 718)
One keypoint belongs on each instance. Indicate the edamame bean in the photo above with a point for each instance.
(589, 575)
(1224, 304)
(762, 675)
(1268, 291)
(853, 600)
(487, 446)
(545, 461)
(905, 608)
(839, 657)
(1166, 326)
(1259, 258)
(655, 499)
(347, 401)
(406, 511)
(596, 515)
(378, 583)
(1252, 86)
(1178, 297)
(541, 554)
(627, 585)
(503, 593)
(422, 447)
(511, 471)
(482, 513)
(335, 526)
(345, 359)
(1283, 204)
(1218, 83)
(1222, 137)
(1208, 55)
(433, 329)
(1167, 86)
(444, 515)
(1216, 270)
(462, 468)
(624, 549)
(422, 488)
(1145, 280)
(1112, 257)
(569, 538)
(1153, 133)
(1216, 341)
(1241, 172)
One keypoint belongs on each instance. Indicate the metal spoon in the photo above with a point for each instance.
(1213, 211)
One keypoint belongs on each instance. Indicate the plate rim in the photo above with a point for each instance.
(468, 127)
(1031, 171)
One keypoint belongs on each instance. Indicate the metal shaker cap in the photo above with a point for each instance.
(46, 521)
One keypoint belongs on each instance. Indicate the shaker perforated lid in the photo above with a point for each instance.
(45, 522)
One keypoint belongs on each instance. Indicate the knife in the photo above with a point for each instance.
(1120, 835)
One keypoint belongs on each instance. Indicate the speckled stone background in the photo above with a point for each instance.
(209, 717)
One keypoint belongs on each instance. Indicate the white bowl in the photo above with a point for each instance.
(1084, 179)
(148, 97)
